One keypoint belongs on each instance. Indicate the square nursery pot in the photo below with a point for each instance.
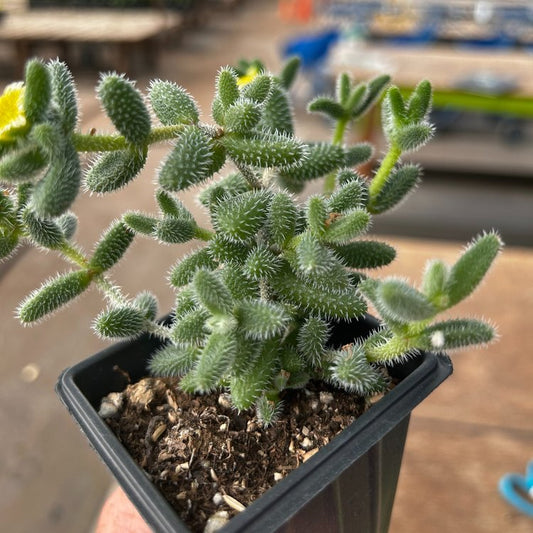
(347, 486)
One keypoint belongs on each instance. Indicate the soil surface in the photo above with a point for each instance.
(209, 461)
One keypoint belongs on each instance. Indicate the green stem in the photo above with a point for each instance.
(340, 130)
(111, 292)
(338, 138)
(203, 234)
(108, 143)
(74, 255)
(98, 143)
(159, 330)
(380, 178)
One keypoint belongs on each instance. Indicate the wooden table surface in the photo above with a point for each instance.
(88, 25)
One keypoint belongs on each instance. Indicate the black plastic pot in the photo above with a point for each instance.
(348, 486)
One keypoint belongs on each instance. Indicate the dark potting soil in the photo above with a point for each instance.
(208, 460)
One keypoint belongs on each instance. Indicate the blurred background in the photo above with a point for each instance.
(478, 174)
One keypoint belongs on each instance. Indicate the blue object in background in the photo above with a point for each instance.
(518, 490)
(311, 49)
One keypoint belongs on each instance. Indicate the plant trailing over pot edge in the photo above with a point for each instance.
(255, 303)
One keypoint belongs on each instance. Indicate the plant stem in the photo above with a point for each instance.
(108, 143)
(203, 234)
(340, 130)
(111, 292)
(159, 330)
(74, 255)
(384, 170)
(338, 138)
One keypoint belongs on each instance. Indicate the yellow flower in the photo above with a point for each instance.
(251, 73)
(11, 110)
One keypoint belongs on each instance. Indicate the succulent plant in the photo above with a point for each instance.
(256, 297)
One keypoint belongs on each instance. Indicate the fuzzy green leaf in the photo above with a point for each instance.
(327, 106)
(352, 372)
(112, 246)
(189, 162)
(9, 242)
(348, 196)
(214, 361)
(404, 302)
(68, 224)
(317, 215)
(7, 209)
(146, 302)
(318, 300)
(240, 218)
(258, 89)
(190, 328)
(172, 206)
(240, 286)
(434, 283)
(413, 136)
(185, 302)
(373, 92)
(37, 92)
(348, 226)
(231, 185)
(212, 293)
(183, 272)
(218, 157)
(52, 295)
(471, 267)
(64, 95)
(399, 184)
(246, 386)
(365, 254)
(355, 99)
(277, 112)
(289, 72)
(119, 322)
(357, 154)
(457, 333)
(242, 116)
(311, 256)
(397, 106)
(261, 263)
(22, 165)
(114, 170)
(58, 189)
(172, 104)
(312, 338)
(140, 223)
(227, 90)
(282, 218)
(173, 361)
(261, 320)
(321, 159)
(268, 411)
(45, 233)
(225, 251)
(124, 105)
(369, 288)
(272, 150)
(218, 112)
(343, 88)
(175, 230)
(49, 137)
(419, 104)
